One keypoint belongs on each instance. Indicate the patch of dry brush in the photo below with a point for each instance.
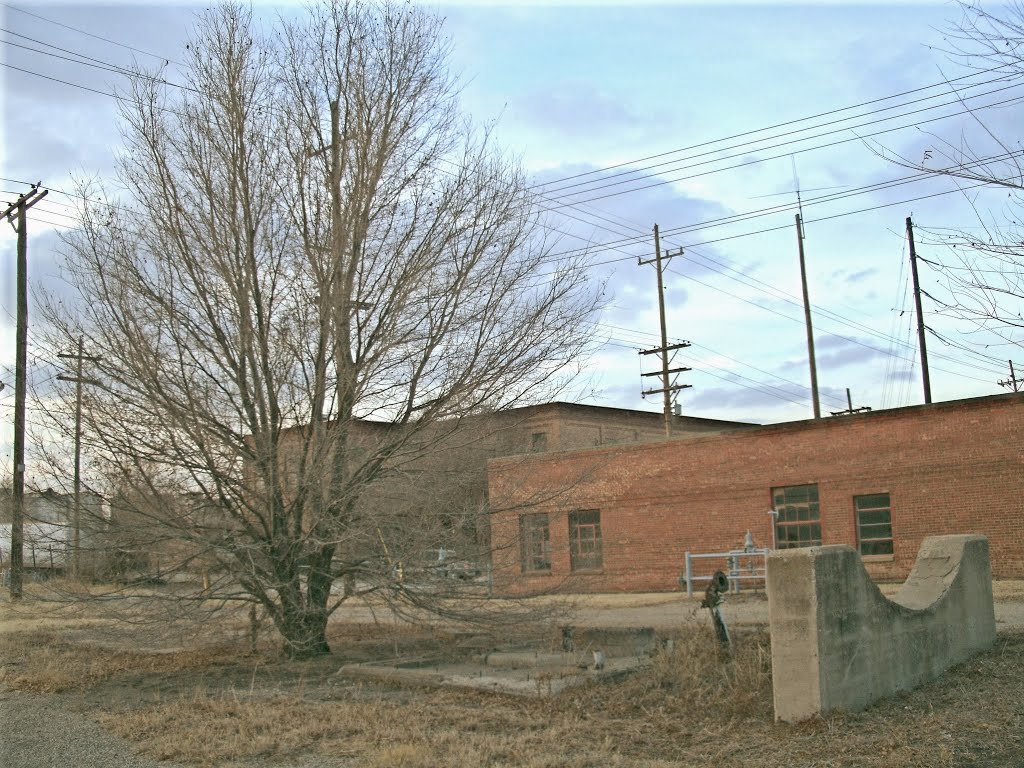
(692, 706)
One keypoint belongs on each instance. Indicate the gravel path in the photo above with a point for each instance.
(45, 732)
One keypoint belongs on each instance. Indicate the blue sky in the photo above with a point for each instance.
(578, 88)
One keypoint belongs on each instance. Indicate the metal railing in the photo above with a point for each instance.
(741, 565)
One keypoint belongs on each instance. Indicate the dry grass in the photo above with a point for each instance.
(692, 706)
(40, 661)
(1008, 590)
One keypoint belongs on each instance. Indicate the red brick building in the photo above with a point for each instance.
(620, 518)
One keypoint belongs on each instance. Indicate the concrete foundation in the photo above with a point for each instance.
(838, 643)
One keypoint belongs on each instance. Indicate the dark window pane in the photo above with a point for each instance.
(876, 548)
(874, 501)
(880, 531)
(874, 523)
(585, 540)
(535, 542)
(875, 517)
(798, 514)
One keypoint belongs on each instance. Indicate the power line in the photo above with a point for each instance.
(556, 200)
(830, 198)
(760, 160)
(89, 61)
(780, 125)
(90, 34)
(612, 246)
(947, 82)
(843, 321)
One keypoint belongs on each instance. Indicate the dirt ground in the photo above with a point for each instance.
(666, 610)
(199, 697)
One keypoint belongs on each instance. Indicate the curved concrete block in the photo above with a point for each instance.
(839, 643)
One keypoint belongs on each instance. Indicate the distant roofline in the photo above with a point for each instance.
(630, 411)
(783, 427)
(562, 404)
(961, 402)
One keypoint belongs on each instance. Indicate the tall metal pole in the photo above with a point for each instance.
(20, 385)
(925, 379)
(78, 462)
(665, 383)
(667, 387)
(77, 519)
(1013, 382)
(22, 205)
(807, 319)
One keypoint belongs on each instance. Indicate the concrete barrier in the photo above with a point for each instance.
(838, 643)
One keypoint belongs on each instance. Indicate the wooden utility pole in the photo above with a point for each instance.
(77, 517)
(19, 209)
(667, 388)
(807, 319)
(850, 410)
(1013, 382)
(925, 379)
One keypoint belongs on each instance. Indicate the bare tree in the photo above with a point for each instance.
(983, 269)
(322, 276)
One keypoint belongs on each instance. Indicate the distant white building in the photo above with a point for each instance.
(47, 527)
(45, 545)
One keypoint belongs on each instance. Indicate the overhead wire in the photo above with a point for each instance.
(946, 82)
(89, 34)
(746, 151)
(545, 197)
(751, 132)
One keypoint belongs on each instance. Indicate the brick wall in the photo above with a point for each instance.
(954, 467)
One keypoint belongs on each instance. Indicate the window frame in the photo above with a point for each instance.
(796, 518)
(589, 558)
(861, 540)
(535, 549)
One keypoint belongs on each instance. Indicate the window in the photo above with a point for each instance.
(585, 540)
(799, 517)
(874, 524)
(535, 542)
(539, 442)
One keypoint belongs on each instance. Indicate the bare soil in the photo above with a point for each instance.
(208, 701)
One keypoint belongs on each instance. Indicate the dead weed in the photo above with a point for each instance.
(693, 706)
(42, 662)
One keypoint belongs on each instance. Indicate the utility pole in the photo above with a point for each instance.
(667, 388)
(77, 378)
(850, 410)
(1013, 382)
(925, 379)
(19, 209)
(807, 317)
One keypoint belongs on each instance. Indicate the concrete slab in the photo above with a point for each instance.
(521, 681)
(839, 643)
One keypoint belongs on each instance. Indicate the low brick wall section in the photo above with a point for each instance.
(838, 643)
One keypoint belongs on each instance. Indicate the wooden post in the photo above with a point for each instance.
(925, 379)
(807, 319)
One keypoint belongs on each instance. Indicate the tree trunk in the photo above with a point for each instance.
(305, 633)
(304, 622)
